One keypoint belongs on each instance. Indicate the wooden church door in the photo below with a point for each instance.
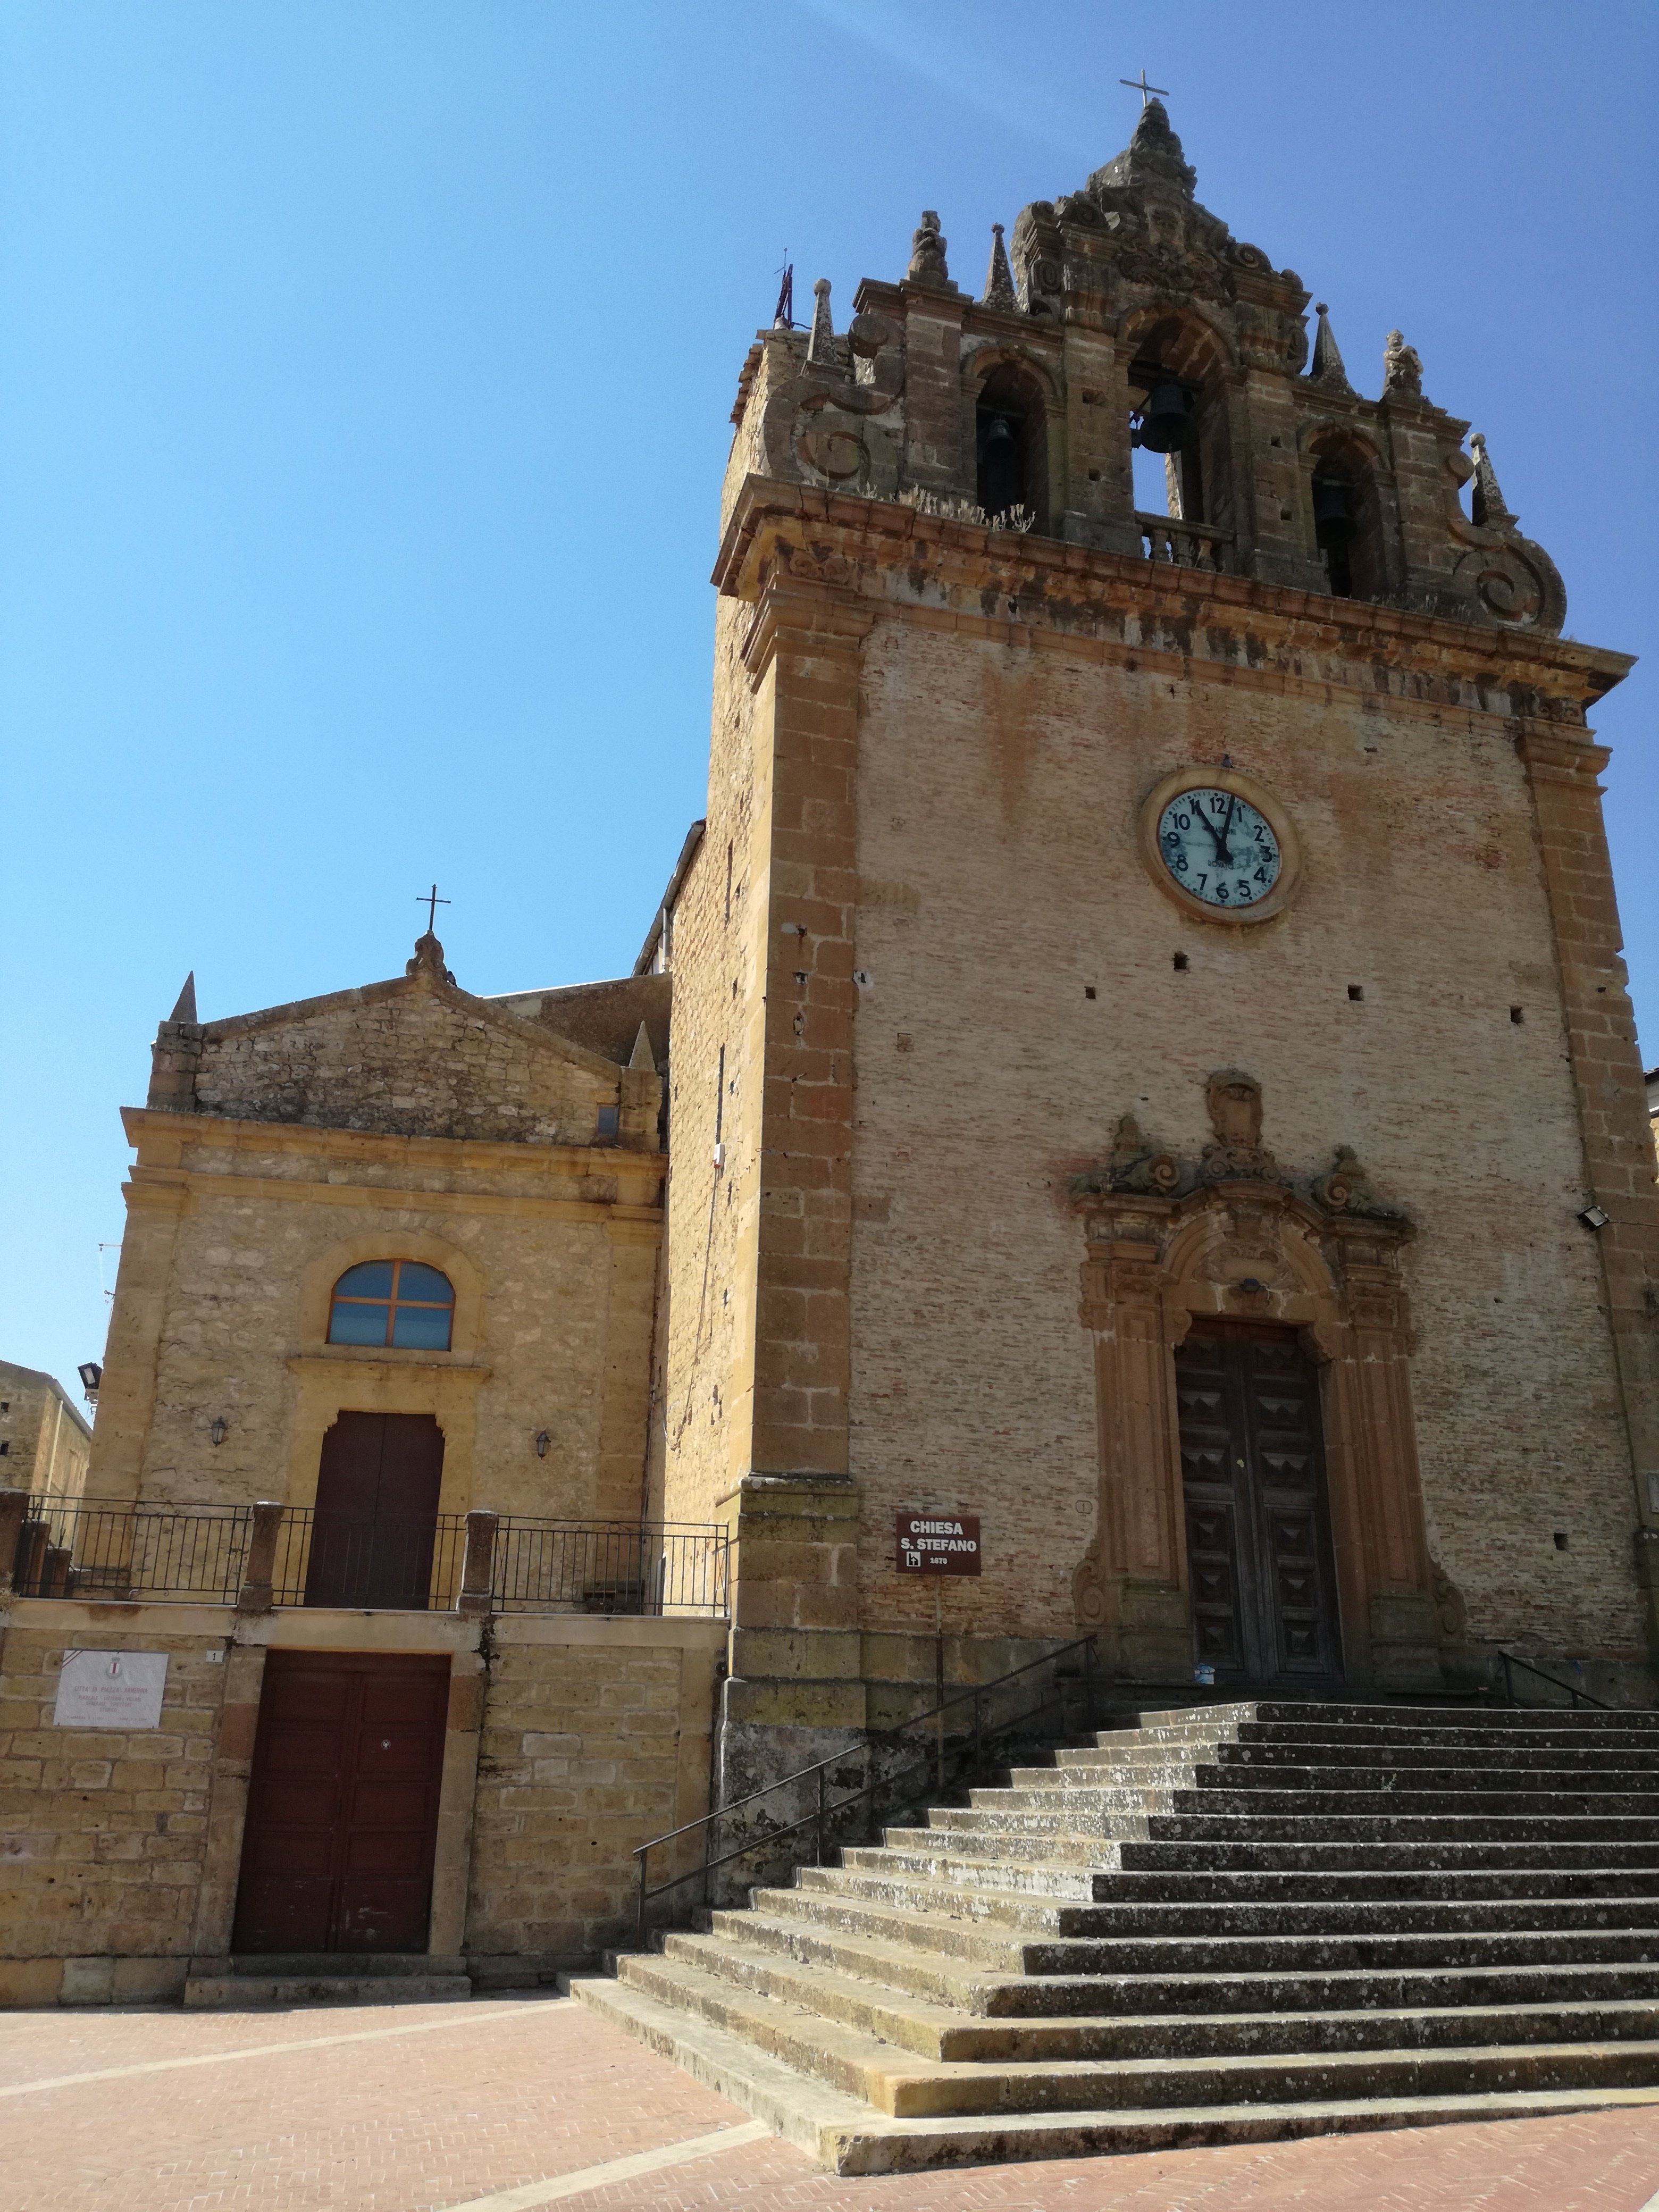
(376, 1516)
(1258, 1531)
(343, 1803)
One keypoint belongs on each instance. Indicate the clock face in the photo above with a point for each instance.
(1220, 848)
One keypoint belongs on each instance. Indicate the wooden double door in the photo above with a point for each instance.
(1258, 1525)
(375, 1523)
(343, 1803)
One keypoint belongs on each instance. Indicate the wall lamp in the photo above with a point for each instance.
(1593, 1218)
(91, 1376)
(217, 1432)
(542, 1440)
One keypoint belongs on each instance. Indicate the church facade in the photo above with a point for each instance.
(1150, 1073)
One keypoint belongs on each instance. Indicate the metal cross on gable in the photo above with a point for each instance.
(1139, 84)
(431, 901)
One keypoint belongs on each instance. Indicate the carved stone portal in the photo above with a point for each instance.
(1233, 1236)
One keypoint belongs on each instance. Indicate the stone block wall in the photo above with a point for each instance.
(596, 1737)
(105, 1833)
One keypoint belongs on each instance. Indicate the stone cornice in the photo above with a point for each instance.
(160, 1137)
(882, 555)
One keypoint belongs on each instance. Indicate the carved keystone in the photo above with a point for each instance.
(255, 1596)
(478, 1565)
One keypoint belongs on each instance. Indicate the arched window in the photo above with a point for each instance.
(401, 1302)
(1347, 518)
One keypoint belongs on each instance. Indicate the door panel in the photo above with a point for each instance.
(377, 1486)
(1258, 1543)
(343, 1804)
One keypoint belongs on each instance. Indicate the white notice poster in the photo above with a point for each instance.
(110, 1689)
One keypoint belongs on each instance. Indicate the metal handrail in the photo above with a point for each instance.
(817, 1772)
(1514, 1659)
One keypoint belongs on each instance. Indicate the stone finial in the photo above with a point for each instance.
(1402, 368)
(998, 277)
(185, 1009)
(429, 960)
(1327, 368)
(1490, 508)
(927, 244)
(1153, 156)
(642, 1056)
(821, 346)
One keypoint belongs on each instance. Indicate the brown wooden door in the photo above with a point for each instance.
(343, 1804)
(372, 1533)
(1258, 1534)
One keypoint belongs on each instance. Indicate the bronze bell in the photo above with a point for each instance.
(999, 433)
(1332, 507)
(1165, 419)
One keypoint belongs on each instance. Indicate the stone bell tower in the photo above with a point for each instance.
(1152, 1051)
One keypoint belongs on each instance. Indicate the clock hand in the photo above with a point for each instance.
(1223, 857)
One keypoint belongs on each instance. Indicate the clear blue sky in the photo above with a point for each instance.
(364, 389)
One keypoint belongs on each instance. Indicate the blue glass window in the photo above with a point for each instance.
(397, 1302)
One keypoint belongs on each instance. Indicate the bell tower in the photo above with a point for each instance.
(1150, 1039)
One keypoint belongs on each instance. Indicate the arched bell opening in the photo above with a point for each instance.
(1011, 445)
(1346, 516)
(1179, 433)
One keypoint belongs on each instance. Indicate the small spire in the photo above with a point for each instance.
(998, 277)
(1490, 508)
(821, 346)
(642, 1056)
(1327, 368)
(185, 1009)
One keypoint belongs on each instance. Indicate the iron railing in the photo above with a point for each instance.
(380, 1564)
(887, 1759)
(271, 1555)
(159, 1553)
(1512, 1659)
(610, 1566)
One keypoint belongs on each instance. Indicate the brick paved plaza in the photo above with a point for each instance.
(503, 2105)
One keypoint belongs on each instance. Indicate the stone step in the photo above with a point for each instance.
(909, 2085)
(911, 1971)
(850, 2137)
(1213, 1792)
(1328, 1761)
(1232, 1917)
(231, 1992)
(941, 2031)
(1359, 1741)
(1227, 1827)
(1012, 1950)
(1499, 1719)
(1057, 1880)
(1086, 1851)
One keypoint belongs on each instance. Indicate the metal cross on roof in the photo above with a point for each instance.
(431, 901)
(1139, 84)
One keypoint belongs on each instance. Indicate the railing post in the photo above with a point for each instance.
(1089, 1680)
(641, 1854)
(13, 1505)
(478, 1578)
(821, 1780)
(258, 1568)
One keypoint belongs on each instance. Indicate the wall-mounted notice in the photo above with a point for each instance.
(933, 1543)
(110, 1689)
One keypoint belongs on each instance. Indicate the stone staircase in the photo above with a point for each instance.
(1230, 1924)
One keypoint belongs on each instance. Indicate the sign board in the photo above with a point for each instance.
(939, 1543)
(110, 1690)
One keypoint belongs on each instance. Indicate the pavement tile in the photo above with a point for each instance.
(502, 2093)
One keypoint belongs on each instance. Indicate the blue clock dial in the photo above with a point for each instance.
(1220, 848)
